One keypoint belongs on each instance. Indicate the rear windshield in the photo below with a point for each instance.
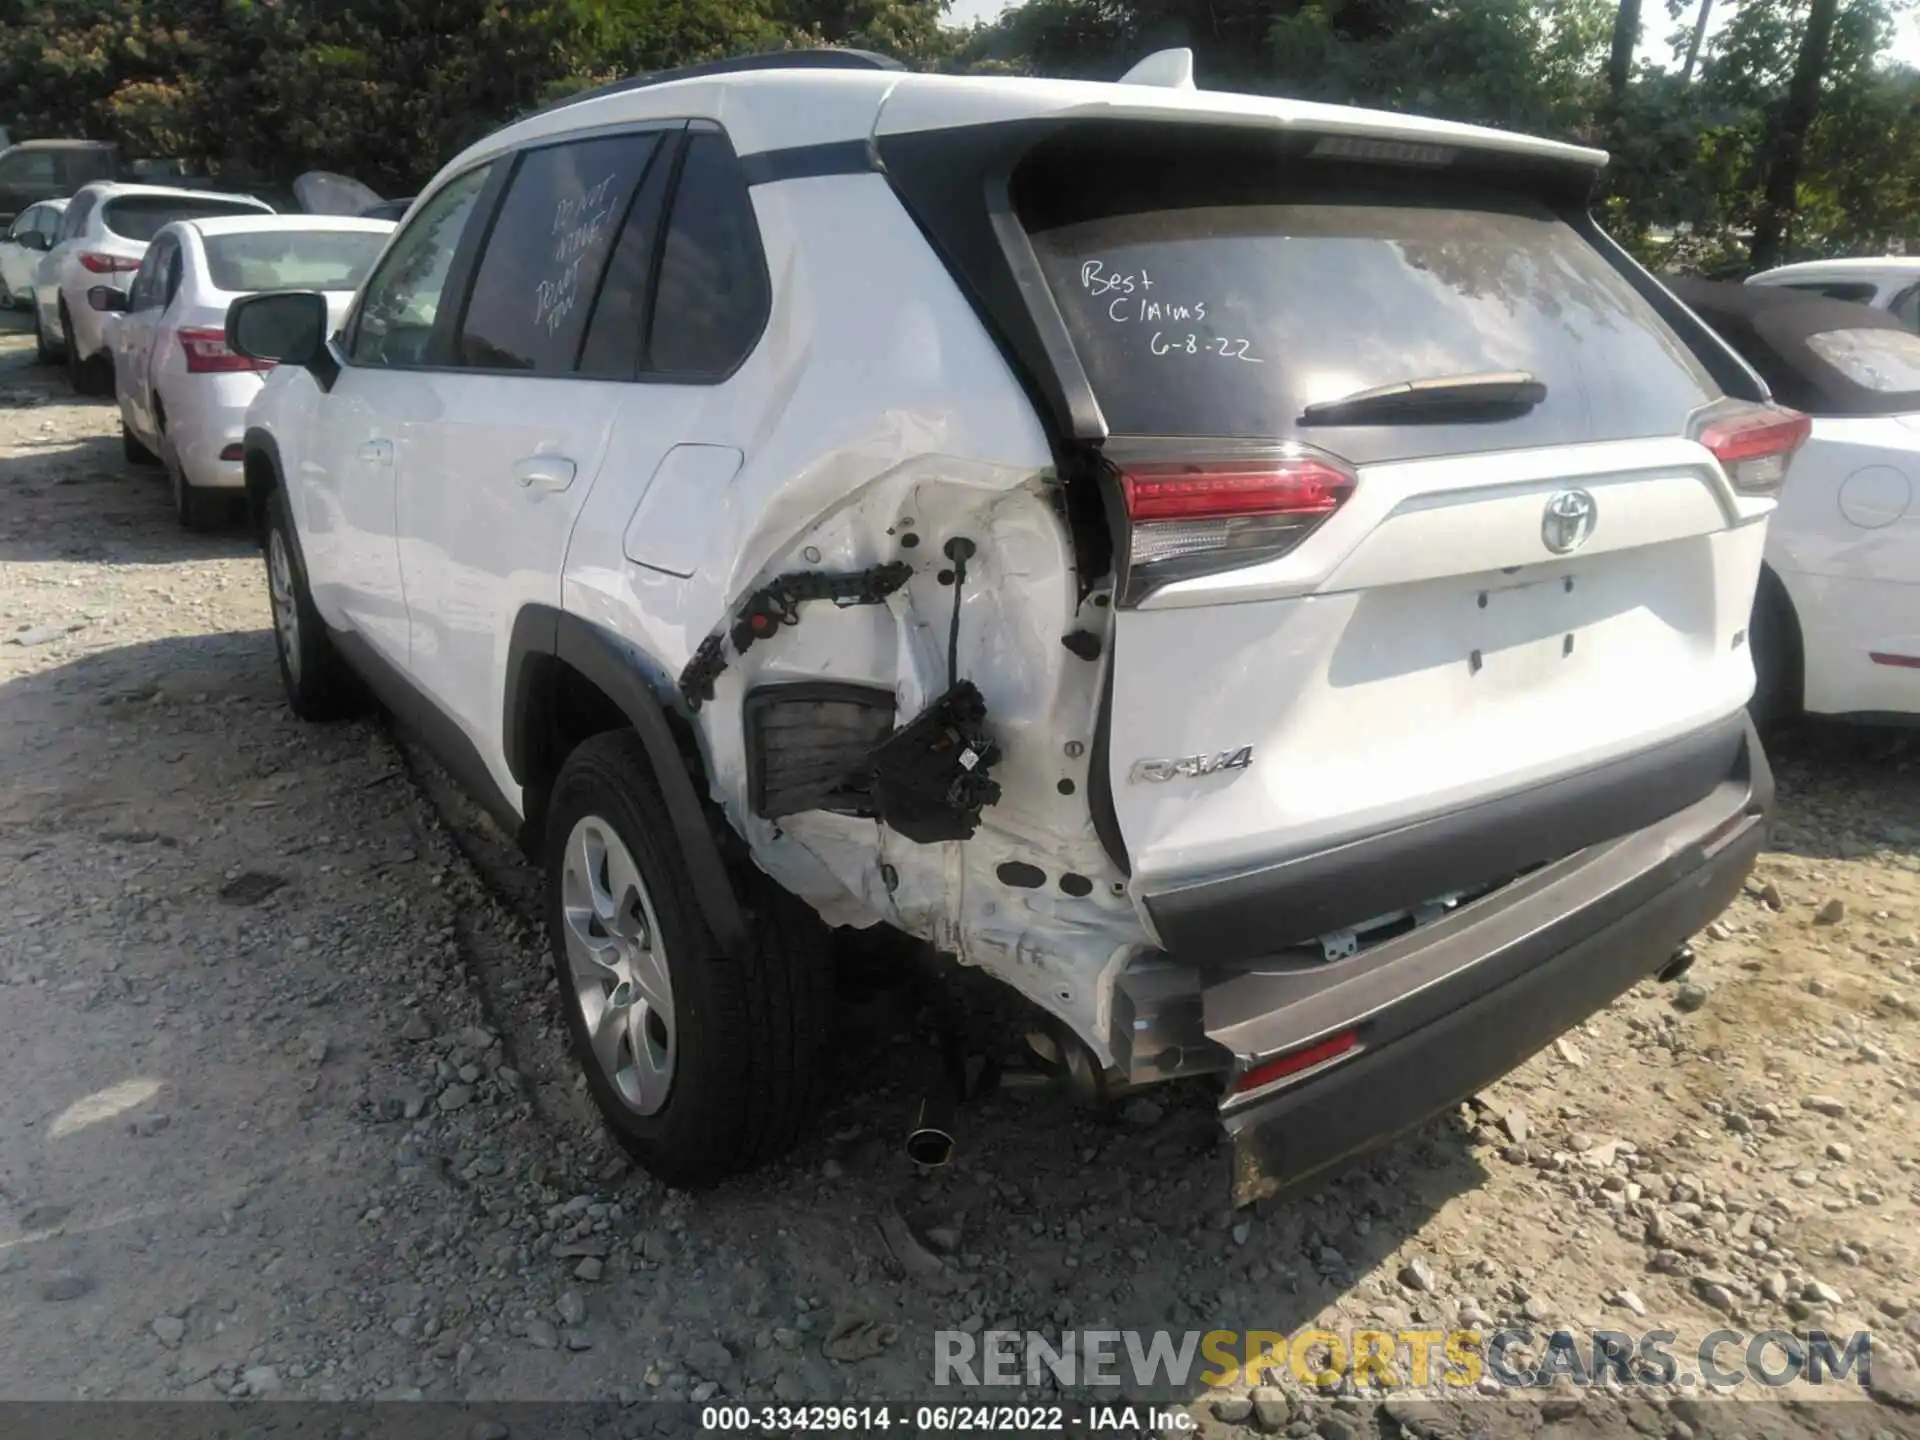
(139, 217)
(1209, 296)
(292, 259)
(1886, 361)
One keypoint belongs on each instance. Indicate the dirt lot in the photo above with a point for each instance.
(285, 1111)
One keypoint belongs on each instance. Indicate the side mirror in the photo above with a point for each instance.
(285, 327)
(34, 240)
(105, 297)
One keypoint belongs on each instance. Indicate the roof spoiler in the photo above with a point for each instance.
(825, 58)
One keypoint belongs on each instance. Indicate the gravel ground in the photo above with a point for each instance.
(285, 1108)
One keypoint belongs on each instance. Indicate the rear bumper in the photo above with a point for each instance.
(1442, 1012)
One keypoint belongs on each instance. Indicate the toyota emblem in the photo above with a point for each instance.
(1569, 521)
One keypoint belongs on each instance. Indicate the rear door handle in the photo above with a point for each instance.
(546, 472)
(377, 452)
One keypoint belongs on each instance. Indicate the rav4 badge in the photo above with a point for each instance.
(1191, 765)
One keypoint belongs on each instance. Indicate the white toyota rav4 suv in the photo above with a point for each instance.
(1267, 581)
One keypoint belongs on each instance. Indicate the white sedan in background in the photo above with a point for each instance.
(183, 395)
(26, 241)
(1886, 282)
(103, 236)
(1836, 622)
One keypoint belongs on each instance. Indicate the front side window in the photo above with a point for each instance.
(536, 281)
(711, 303)
(402, 301)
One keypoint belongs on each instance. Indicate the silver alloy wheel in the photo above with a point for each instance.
(619, 965)
(286, 613)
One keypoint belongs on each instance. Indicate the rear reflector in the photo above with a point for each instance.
(108, 264)
(207, 354)
(1196, 517)
(1294, 1061)
(1756, 446)
(1902, 662)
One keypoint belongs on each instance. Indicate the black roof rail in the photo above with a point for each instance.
(824, 58)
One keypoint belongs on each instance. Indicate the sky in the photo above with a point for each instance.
(1906, 45)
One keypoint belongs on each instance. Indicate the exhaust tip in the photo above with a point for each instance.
(929, 1146)
(1679, 965)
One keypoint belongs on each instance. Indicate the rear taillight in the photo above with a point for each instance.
(207, 354)
(1756, 445)
(101, 264)
(1196, 517)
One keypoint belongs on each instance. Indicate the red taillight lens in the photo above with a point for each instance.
(1756, 446)
(235, 451)
(108, 264)
(1196, 517)
(1294, 1061)
(207, 354)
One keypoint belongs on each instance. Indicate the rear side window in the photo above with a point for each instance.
(537, 278)
(711, 300)
(1836, 290)
(30, 168)
(139, 217)
(1213, 294)
(292, 259)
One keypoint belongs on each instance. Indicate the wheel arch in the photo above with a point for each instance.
(260, 459)
(1774, 606)
(568, 679)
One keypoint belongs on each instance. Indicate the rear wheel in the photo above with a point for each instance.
(133, 449)
(318, 683)
(93, 376)
(42, 351)
(196, 509)
(701, 1065)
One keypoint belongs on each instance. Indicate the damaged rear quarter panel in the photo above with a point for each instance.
(875, 409)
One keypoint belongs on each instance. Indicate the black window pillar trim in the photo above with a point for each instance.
(1731, 373)
(543, 636)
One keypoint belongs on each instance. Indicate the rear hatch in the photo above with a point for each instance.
(1335, 625)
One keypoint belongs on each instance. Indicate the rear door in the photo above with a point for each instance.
(496, 456)
(1332, 623)
(132, 335)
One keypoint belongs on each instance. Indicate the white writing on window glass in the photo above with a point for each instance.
(579, 224)
(1225, 347)
(1127, 301)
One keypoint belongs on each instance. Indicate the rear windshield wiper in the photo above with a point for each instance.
(1498, 395)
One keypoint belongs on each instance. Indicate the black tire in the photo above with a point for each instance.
(749, 1036)
(44, 353)
(1773, 639)
(196, 509)
(91, 377)
(318, 683)
(135, 452)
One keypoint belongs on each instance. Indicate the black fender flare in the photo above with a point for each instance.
(258, 440)
(635, 682)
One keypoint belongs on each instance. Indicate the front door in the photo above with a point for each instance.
(385, 392)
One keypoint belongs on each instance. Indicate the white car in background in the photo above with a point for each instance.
(28, 238)
(102, 238)
(183, 394)
(1886, 282)
(1836, 623)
